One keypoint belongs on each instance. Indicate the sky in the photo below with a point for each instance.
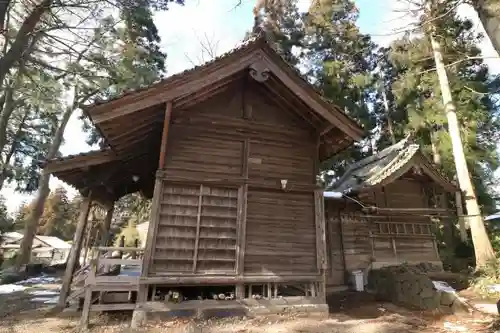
(223, 25)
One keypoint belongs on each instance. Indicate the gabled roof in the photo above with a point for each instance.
(9, 238)
(127, 118)
(388, 165)
(54, 242)
(132, 123)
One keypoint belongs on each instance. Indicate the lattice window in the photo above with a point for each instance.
(197, 229)
(403, 229)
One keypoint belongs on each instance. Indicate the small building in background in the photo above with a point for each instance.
(383, 212)
(47, 250)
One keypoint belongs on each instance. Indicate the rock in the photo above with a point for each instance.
(407, 285)
(430, 303)
(427, 292)
(447, 299)
(459, 307)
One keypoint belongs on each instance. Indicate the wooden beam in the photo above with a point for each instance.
(461, 216)
(326, 129)
(319, 218)
(197, 279)
(83, 161)
(276, 98)
(164, 136)
(74, 254)
(167, 92)
(198, 224)
(242, 212)
(337, 117)
(198, 97)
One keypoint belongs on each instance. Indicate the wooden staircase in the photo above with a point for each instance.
(103, 277)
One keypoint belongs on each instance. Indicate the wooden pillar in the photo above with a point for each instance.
(139, 315)
(86, 243)
(164, 136)
(74, 254)
(107, 225)
(242, 220)
(319, 216)
(461, 216)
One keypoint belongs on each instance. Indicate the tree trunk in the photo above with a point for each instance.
(489, 14)
(4, 7)
(13, 148)
(7, 109)
(482, 245)
(22, 39)
(388, 115)
(42, 194)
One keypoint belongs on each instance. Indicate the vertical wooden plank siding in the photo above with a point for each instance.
(320, 238)
(75, 249)
(157, 194)
(153, 227)
(319, 218)
(164, 135)
(242, 213)
(198, 222)
(240, 148)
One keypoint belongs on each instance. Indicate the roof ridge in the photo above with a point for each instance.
(373, 158)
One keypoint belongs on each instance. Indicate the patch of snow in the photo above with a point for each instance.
(44, 292)
(443, 286)
(43, 279)
(10, 288)
(46, 300)
(53, 300)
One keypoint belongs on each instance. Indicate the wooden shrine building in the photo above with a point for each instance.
(390, 203)
(229, 153)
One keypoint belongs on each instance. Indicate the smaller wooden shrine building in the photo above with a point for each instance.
(229, 152)
(383, 211)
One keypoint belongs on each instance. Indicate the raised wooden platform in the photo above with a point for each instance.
(102, 292)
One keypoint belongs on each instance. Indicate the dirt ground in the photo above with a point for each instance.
(349, 315)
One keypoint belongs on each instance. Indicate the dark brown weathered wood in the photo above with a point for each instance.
(164, 136)
(161, 94)
(84, 161)
(153, 227)
(74, 255)
(198, 222)
(219, 279)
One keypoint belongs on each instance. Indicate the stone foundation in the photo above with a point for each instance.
(411, 286)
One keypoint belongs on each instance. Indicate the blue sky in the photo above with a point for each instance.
(217, 21)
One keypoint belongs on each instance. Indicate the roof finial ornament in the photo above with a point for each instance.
(259, 72)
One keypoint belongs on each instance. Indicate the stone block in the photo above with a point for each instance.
(459, 307)
(427, 292)
(447, 299)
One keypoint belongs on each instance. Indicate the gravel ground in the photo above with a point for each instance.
(17, 315)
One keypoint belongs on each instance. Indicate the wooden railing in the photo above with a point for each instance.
(101, 264)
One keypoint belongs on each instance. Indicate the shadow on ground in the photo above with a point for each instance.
(350, 313)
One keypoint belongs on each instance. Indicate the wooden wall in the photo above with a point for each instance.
(367, 239)
(222, 209)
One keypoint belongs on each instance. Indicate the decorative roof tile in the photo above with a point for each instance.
(374, 169)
